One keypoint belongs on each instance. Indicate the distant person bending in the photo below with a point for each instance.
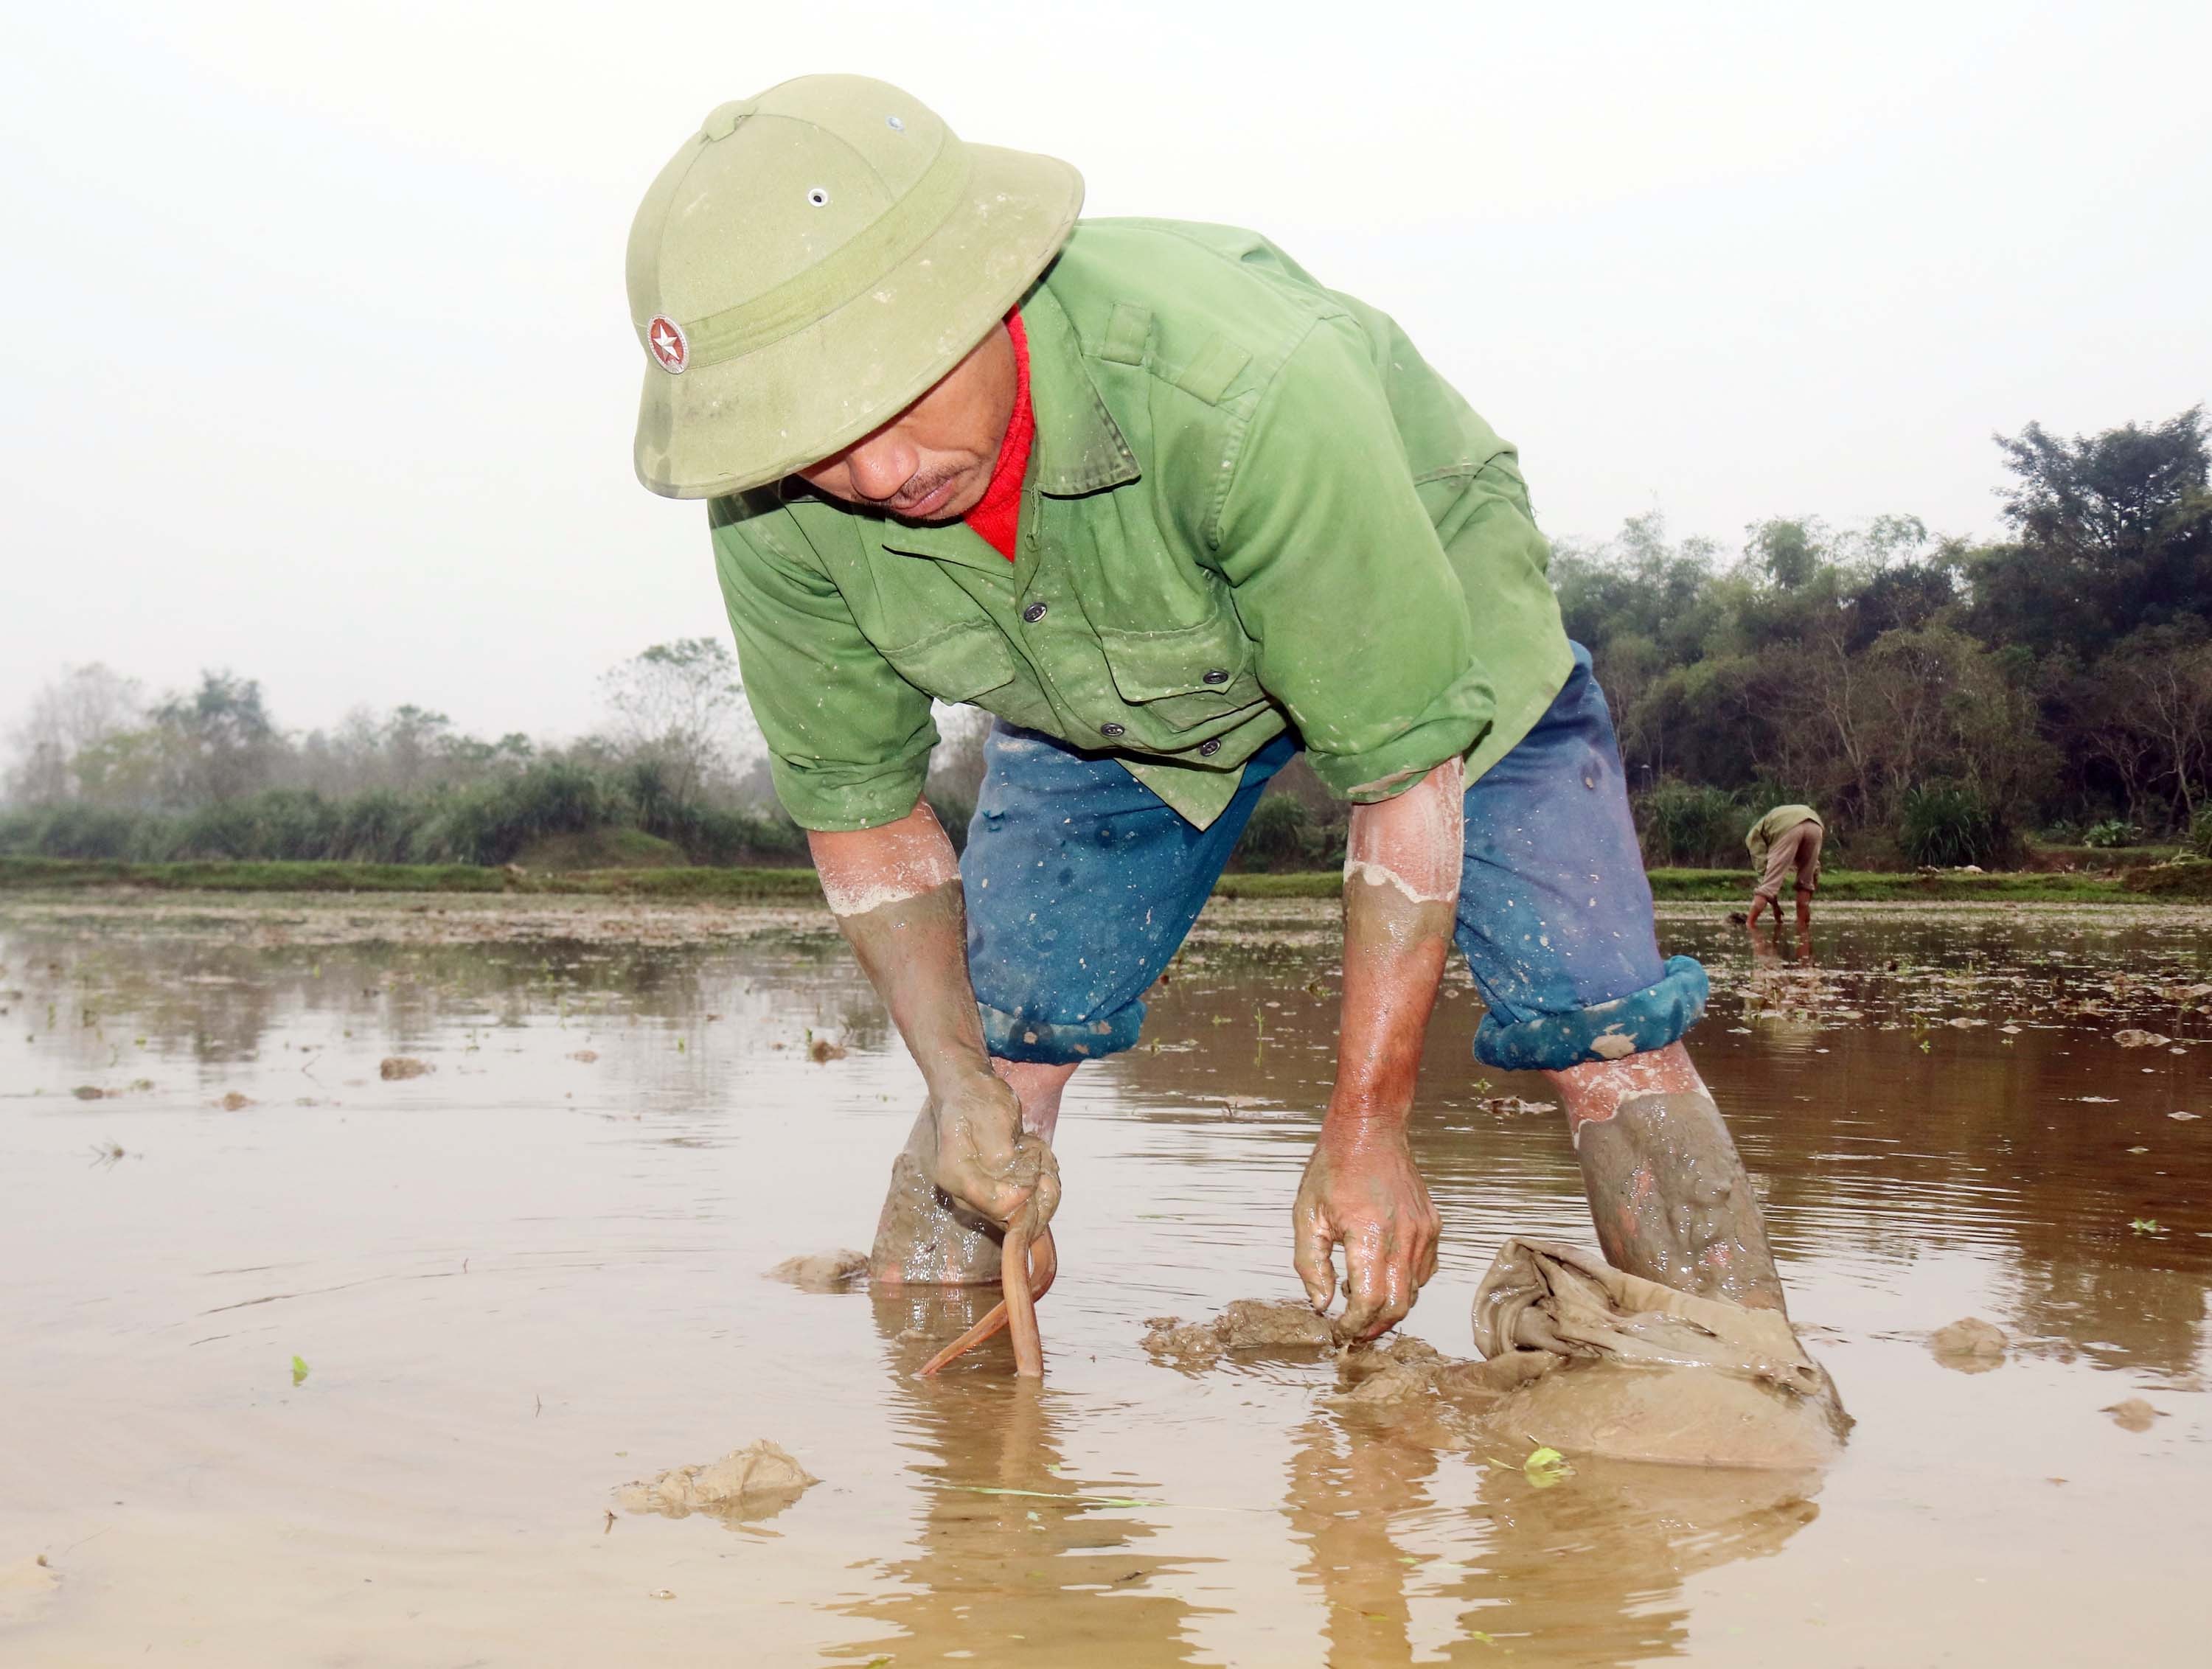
(1786, 838)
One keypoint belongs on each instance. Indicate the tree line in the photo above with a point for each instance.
(1940, 700)
(99, 771)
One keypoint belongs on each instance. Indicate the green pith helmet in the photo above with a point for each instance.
(809, 264)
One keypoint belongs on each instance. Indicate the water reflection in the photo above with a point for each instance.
(1010, 1548)
(1941, 1114)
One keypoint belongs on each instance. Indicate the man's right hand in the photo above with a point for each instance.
(896, 891)
(987, 1161)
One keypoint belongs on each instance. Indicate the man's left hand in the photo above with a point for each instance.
(1361, 1190)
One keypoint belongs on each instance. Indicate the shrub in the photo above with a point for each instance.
(722, 838)
(492, 822)
(1948, 825)
(2200, 832)
(1689, 826)
(280, 823)
(73, 831)
(1276, 836)
(486, 823)
(376, 827)
(2113, 832)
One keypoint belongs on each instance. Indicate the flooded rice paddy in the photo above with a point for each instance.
(305, 1365)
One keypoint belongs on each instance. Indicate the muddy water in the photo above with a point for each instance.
(531, 1275)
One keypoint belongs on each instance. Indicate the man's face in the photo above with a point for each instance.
(932, 462)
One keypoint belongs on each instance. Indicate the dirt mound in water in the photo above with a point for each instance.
(1249, 1325)
(755, 1482)
(1578, 1356)
(1969, 1345)
(25, 1588)
(2134, 1415)
(822, 1272)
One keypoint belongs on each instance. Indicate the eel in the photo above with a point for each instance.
(1026, 1269)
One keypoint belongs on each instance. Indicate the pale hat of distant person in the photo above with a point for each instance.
(810, 262)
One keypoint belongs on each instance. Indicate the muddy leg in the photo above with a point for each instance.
(1671, 1199)
(924, 1237)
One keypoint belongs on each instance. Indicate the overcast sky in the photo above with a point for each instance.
(318, 365)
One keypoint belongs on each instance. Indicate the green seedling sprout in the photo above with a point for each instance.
(1546, 1466)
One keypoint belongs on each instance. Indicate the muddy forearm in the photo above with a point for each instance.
(1401, 894)
(896, 893)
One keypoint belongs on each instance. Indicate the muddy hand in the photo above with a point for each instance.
(986, 1159)
(987, 1162)
(1362, 1191)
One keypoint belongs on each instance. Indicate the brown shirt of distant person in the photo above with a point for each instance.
(1786, 840)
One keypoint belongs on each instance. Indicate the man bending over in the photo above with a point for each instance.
(1172, 511)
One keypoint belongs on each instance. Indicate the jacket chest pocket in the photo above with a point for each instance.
(957, 663)
(1187, 676)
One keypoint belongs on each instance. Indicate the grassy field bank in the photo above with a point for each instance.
(2189, 882)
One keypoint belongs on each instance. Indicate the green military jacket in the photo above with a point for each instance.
(1250, 506)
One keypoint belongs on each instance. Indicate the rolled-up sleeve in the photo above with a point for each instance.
(848, 739)
(1339, 575)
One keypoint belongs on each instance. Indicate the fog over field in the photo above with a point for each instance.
(318, 366)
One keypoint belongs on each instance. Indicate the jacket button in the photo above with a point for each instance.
(1210, 749)
(1112, 730)
(1217, 676)
(1034, 613)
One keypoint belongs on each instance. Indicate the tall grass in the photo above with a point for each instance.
(1683, 825)
(487, 823)
(1948, 825)
(1278, 836)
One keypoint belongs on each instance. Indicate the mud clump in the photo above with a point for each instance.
(235, 1101)
(822, 1272)
(1619, 1366)
(755, 1482)
(25, 1588)
(1250, 1325)
(1393, 1375)
(2133, 1415)
(402, 1066)
(587, 1056)
(1970, 1345)
(2133, 1039)
(821, 1051)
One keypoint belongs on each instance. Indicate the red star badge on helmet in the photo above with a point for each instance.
(665, 336)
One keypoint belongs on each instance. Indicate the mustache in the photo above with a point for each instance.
(921, 490)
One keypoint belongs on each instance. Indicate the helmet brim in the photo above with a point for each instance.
(724, 429)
